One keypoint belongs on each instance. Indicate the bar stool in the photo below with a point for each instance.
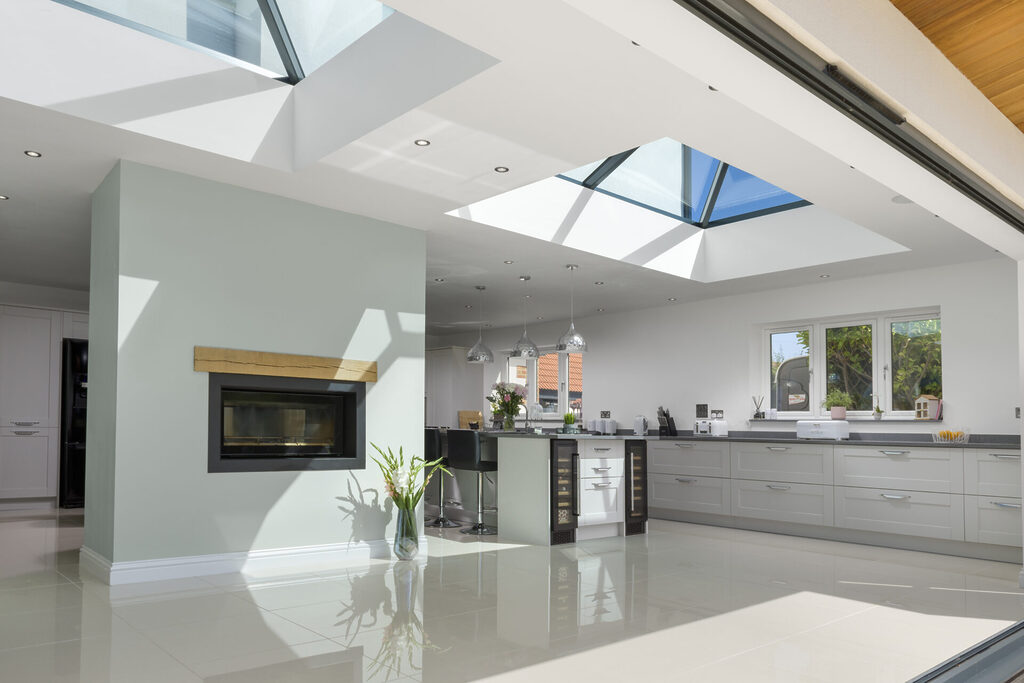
(468, 450)
(434, 448)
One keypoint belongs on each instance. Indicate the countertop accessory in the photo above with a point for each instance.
(525, 348)
(822, 429)
(702, 427)
(758, 402)
(719, 426)
(960, 436)
(480, 353)
(506, 398)
(572, 341)
(666, 425)
(639, 425)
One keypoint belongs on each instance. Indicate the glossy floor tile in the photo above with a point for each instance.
(684, 602)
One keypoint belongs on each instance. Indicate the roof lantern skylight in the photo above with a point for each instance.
(285, 39)
(682, 182)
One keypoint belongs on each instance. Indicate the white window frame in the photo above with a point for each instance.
(531, 382)
(881, 360)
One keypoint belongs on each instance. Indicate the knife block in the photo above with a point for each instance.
(668, 430)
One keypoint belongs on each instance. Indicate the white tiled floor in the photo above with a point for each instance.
(684, 603)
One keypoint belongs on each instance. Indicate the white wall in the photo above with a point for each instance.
(708, 351)
(37, 296)
(202, 263)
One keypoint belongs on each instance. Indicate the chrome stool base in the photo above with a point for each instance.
(442, 523)
(480, 530)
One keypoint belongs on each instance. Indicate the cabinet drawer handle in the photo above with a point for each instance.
(605, 485)
(26, 432)
(600, 469)
(1015, 506)
(1005, 456)
(778, 487)
(891, 496)
(16, 423)
(777, 448)
(602, 450)
(894, 452)
(683, 480)
(684, 445)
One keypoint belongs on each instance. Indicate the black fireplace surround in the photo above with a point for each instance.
(271, 424)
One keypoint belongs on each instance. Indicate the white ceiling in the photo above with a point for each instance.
(537, 86)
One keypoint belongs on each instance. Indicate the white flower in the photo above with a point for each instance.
(402, 481)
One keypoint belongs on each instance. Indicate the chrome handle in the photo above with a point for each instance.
(778, 487)
(1015, 506)
(1006, 456)
(894, 452)
(600, 469)
(684, 445)
(25, 432)
(602, 450)
(576, 484)
(777, 448)
(605, 485)
(632, 484)
(16, 423)
(683, 480)
(890, 496)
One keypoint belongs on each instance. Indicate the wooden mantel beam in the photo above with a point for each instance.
(239, 362)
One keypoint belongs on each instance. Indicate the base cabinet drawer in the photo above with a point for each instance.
(694, 458)
(689, 494)
(602, 448)
(28, 462)
(900, 467)
(804, 463)
(993, 520)
(992, 472)
(915, 513)
(783, 501)
(601, 501)
(607, 468)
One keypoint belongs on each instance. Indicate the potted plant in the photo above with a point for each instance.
(506, 398)
(877, 412)
(403, 485)
(569, 420)
(837, 402)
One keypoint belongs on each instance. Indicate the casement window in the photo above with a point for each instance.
(553, 381)
(886, 360)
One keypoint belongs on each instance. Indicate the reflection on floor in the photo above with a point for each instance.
(684, 603)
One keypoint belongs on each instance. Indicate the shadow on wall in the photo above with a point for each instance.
(369, 518)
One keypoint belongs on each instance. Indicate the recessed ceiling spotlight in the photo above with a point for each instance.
(712, 88)
(825, 276)
(671, 298)
(598, 282)
(508, 262)
(900, 199)
(525, 278)
(468, 306)
(3, 197)
(421, 142)
(33, 154)
(438, 279)
(600, 310)
(540, 317)
(501, 169)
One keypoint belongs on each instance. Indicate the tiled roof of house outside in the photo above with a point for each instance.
(547, 372)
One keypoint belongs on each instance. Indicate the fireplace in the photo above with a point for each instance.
(262, 424)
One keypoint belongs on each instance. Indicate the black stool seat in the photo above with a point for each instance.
(471, 450)
(434, 448)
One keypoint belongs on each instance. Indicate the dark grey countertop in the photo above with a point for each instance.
(856, 439)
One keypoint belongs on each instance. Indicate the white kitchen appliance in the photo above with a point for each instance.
(822, 429)
(702, 427)
(719, 427)
(639, 425)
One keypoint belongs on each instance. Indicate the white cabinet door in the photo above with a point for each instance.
(916, 513)
(688, 493)
(901, 467)
(993, 520)
(601, 501)
(28, 463)
(992, 472)
(696, 458)
(29, 367)
(783, 501)
(801, 462)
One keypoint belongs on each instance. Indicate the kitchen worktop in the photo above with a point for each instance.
(856, 439)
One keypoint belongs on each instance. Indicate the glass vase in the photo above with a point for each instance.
(509, 423)
(407, 542)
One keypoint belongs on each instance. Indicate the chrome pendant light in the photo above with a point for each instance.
(572, 341)
(480, 353)
(525, 348)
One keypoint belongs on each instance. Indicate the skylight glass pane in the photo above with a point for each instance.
(231, 27)
(702, 174)
(743, 193)
(652, 176)
(580, 174)
(320, 29)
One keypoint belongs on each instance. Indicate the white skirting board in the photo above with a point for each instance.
(298, 559)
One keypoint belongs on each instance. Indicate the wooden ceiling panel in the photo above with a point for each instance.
(984, 39)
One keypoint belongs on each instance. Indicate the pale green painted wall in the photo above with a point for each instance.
(209, 264)
(100, 428)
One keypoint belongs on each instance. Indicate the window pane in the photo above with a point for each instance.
(547, 383)
(744, 193)
(652, 176)
(320, 29)
(231, 27)
(576, 384)
(848, 363)
(790, 370)
(916, 361)
(583, 172)
(518, 371)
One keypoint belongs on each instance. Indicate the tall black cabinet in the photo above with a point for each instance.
(74, 391)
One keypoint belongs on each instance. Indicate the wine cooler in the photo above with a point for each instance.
(636, 483)
(565, 490)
